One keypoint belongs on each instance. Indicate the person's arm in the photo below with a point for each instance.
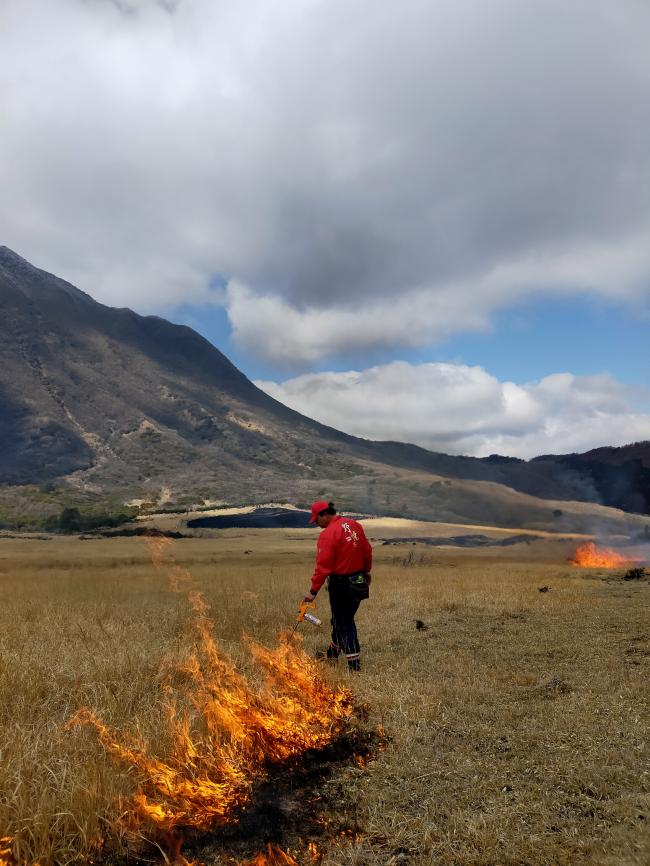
(324, 565)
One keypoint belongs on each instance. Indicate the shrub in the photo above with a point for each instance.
(71, 520)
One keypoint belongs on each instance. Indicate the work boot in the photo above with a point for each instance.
(330, 655)
(332, 652)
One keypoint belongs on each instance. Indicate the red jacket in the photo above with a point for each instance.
(342, 549)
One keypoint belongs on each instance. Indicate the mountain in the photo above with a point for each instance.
(620, 476)
(120, 397)
(104, 401)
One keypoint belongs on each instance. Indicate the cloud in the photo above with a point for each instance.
(373, 177)
(458, 409)
(296, 337)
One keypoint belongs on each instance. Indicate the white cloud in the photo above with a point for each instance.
(363, 176)
(273, 327)
(294, 337)
(464, 410)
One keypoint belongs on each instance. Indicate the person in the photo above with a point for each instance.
(344, 558)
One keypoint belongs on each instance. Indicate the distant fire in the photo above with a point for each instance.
(589, 555)
(224, 732)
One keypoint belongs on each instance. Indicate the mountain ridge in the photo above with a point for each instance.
(106, 400)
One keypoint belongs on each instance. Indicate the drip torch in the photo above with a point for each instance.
(303, 613)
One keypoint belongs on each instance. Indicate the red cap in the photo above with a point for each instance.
(316, 509)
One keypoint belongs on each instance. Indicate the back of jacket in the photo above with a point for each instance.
(342, 549)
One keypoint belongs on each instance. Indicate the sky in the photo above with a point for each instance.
(419, 221)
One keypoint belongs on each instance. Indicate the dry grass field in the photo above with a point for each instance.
(516, 724)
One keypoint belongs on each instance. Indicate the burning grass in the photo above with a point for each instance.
(223, 732)
(518, 720)
(273, 856)
(591, 555)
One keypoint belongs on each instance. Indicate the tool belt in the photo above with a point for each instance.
(355, 583)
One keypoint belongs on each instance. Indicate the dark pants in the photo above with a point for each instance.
(344, 608)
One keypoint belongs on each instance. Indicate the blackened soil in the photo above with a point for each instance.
(296, 804)
(260, 518)
(137, 532)
(465, 540)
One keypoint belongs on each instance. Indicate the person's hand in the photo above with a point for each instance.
(368, 577)
(309, 598)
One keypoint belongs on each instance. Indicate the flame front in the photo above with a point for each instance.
(230, 734)
(588, 555)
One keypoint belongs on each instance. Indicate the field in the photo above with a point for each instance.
(515, 725)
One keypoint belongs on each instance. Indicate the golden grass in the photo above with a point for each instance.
(518, 721)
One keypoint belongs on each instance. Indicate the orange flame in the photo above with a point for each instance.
(274, 857)
(6, 851)
(7, 856)
(588, 555)
(314, 852)
(229, 734)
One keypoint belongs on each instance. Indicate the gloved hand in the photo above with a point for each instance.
(368, 578)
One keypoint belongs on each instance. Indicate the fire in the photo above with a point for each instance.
(6, 851)
(588, 555)
(224, 732)
(274, 857)
(7, 856)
